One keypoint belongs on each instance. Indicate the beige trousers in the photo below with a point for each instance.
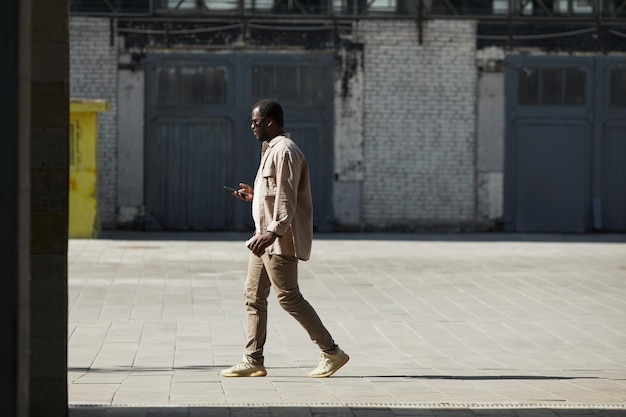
(281, 272)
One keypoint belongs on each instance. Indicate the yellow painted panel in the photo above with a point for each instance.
(84, 219)
(83, 141)
(91, 106)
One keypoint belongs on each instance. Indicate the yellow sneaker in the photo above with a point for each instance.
(244, 368)
(329, 364)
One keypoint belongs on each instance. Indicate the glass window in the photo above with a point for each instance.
(388, 6)
(613, 8)
(259, 5)
(551, 86)
(574, 87)
(617, 88)
(528, 87)
(297, 85)
(191, 85)
(210, 5)
(375, 7)
(110, 6)
(575, 7)
(299, 7)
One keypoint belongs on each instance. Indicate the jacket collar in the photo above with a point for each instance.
(278, 139)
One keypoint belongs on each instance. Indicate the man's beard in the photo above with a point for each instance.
(262, 137)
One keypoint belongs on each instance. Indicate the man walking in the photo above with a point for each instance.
(283, 216)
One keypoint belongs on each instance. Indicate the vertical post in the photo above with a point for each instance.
(15, 49)
(111, 31)
(168, 26)
(510, 25)
(598, 14)
(48, 212)
(244, 31)
(420, 21)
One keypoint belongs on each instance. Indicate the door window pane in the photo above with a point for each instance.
(191, 85)
(617, 88)
(552, 82)
(574, 87)
(293, 85)
(528, 87)
(552, 86)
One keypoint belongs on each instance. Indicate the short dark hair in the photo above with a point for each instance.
(270, 108)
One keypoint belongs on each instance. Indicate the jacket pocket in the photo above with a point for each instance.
(269, 180)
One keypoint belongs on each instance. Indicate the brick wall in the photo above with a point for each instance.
(419, 124)
(93, 74)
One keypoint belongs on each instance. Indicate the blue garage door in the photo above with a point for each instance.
(565, 144)
(198, 135)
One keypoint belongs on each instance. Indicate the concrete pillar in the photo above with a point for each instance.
(130, 148)
(14, 206)
(34, 119)
(49, 207)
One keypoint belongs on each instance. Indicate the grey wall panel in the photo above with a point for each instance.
(310, 138)
(552, 184)
(188, 162)
(550, 144)
(614, 177)
(610, 172)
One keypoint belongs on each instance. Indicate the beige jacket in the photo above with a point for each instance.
(282, 198)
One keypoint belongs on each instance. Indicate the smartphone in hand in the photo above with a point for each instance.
(232, 190)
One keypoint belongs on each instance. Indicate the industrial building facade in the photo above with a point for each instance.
(415, 115)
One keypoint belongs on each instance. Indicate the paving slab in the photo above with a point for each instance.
(437, 325)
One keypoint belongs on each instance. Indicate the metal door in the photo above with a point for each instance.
(189, 142)
(610, 155)
(548, 144)
(565, 147)
(303, 84)
(198, 135)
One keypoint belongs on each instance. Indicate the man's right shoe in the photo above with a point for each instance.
(329, 364)
(244, 368)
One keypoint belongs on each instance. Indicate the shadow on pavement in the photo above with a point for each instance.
(321, 411)
(475, 377)
(450, 377)
(417, 237)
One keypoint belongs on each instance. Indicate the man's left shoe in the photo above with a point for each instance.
(329, 364)
(244, 368)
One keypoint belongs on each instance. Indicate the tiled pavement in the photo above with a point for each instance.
(436, 325)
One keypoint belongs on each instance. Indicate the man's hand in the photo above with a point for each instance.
(259, 244)
(245, 192)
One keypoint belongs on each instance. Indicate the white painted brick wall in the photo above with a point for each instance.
(420, 121)
(93, 74)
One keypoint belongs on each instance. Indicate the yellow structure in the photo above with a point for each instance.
(84, 219)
